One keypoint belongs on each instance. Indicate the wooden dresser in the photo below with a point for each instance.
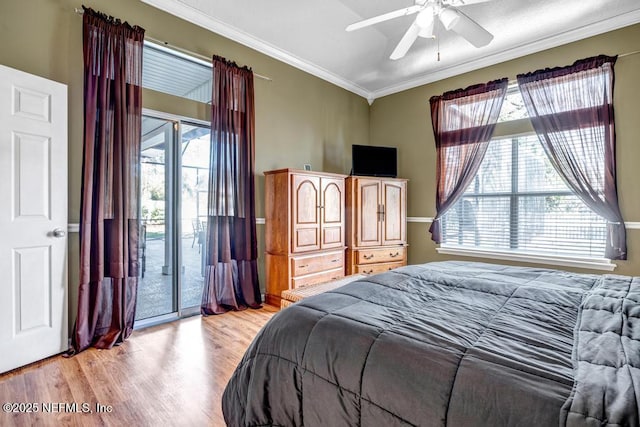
(376, 224)
(304, 229)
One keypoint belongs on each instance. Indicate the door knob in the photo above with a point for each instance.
(59, 232)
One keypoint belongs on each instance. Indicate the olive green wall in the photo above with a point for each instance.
(403, 120)
(299, 118)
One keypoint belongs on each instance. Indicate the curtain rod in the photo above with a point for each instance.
(635, 52)
(79, 11)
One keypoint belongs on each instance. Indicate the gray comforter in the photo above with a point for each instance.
(455, 344)
(606, 356)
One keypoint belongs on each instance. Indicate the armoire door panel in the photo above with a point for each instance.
(367, 223)
(306, 238)
(332, 213)
(332, 202)
(394, 216)
(306, 200)
(332, 237)
(305, 208)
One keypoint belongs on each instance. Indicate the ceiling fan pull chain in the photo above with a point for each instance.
(438, 41)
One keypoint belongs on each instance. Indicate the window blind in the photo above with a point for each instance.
(519, 203)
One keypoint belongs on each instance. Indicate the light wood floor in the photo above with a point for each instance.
(168, 375)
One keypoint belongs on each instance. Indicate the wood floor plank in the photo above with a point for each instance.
(172, 374)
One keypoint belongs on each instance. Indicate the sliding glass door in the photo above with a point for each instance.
(157, 287)
(174, 191)
(194, 176)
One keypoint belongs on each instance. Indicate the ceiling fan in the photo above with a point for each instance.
(446, 11)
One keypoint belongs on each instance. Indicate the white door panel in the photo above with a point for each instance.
(33, 203)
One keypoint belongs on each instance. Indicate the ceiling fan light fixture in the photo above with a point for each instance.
(425, 18)
(449, 17)
(424, 21)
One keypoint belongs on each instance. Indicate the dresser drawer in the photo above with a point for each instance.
(312, 279)
(370, 256)
(301, 265)
(378, 268)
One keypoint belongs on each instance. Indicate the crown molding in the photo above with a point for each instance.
(584, 32)
(190, 14)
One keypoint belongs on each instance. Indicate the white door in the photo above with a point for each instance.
(33, 218)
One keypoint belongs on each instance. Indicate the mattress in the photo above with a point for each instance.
(448, 344)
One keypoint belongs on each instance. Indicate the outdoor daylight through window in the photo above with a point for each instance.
(518, 203)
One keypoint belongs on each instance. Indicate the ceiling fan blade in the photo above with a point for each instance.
(406, 42)
(456, 21)
(385, 17)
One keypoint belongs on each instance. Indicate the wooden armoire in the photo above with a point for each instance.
(376, 227)
(304, 229)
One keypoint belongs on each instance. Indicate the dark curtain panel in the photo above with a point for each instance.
(571, 109)
(463, 123)
(110, 181)
(231, 272)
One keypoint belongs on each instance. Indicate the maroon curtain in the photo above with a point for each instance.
(463, 123)
(110, 181)
(571, 109)
(231, 272)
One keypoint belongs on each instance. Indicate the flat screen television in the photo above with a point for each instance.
(368, 160)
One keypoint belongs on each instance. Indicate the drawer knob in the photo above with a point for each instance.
(304, 266)
(368, 256)
(368, 272)
(394, 255)
(335, 260)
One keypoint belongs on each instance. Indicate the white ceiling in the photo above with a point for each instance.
(311, 35)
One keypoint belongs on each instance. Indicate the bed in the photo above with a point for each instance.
(448, 344)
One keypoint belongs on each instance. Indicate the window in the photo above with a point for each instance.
(512, 107)
(519, 204)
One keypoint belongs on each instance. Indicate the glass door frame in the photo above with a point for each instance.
(175, 209)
